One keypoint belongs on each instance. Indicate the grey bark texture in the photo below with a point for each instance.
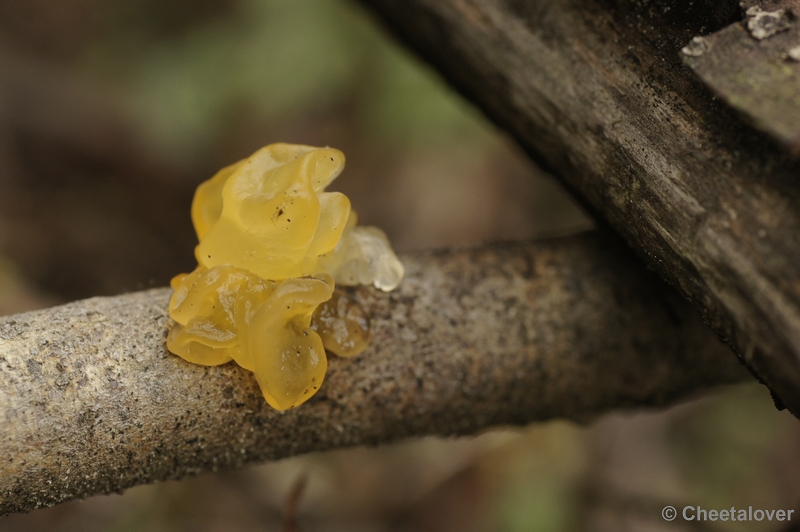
(91, 401)
(596, 91)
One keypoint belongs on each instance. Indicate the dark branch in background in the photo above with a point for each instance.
(597, 92)
(92, 402)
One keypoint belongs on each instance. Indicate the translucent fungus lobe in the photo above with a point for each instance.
(272, 243)
(275, 219)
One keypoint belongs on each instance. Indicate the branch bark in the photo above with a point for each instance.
(92, 402)
(596, 91)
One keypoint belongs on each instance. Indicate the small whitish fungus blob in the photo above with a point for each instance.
(272, 244)
(363, 256)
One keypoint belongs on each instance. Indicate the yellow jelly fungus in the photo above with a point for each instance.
(342, 325)
(275, 219)
(272, 244)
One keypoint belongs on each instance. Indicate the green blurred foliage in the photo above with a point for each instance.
(541, 470)
(543, 504)
(274, 60)
(726, 450)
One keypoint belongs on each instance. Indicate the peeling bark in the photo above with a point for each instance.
(754, 66)
(92, 402)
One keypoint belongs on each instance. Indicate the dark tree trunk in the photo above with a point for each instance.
(597, 92)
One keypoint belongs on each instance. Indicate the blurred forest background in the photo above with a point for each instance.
(112, 112)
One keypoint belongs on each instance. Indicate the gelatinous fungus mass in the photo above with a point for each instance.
(272, 245)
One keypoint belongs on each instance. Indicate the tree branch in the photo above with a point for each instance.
(92, 402)
(596, 91)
